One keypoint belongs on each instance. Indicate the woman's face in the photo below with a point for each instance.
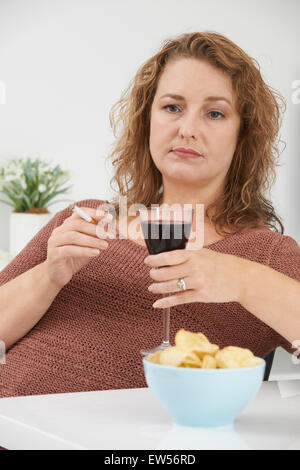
(204, 119)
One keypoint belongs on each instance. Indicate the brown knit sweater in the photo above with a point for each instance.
(91, 336)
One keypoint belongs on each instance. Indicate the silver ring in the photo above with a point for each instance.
(181, 284)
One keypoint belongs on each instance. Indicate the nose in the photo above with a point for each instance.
(189, 126)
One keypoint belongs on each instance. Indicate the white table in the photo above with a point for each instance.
(133, 419)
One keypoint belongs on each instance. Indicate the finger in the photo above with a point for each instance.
(79, 239)
(170, 286)
(170, 272)
(80, 225)
(168, 258)
(72, 251)
(178, 299)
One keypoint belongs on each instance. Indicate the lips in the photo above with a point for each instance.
(186, 153)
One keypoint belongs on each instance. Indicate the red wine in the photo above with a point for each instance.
(165, 236)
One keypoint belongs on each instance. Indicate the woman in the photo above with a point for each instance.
(75, 323)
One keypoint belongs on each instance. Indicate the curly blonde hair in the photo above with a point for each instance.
(252, 171)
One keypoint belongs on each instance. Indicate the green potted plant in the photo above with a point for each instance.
(30, 186)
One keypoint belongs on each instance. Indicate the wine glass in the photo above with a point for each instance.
(165, 228)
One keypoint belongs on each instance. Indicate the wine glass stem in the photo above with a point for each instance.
(166, 325)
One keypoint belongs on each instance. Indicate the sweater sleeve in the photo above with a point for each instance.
(35, 252)
(285, 258)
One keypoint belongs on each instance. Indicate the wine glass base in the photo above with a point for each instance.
(164, 345)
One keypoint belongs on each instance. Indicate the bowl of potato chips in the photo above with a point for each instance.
(200, 384)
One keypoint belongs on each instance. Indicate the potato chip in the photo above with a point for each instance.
(251, 362)
(195, 364)
(172, 356)
(202, 337)
(205, 348)
(188, 341)
(155, 357)
(191, 360)
(244, 356)
(242, 353)
(226, 360)
(233, 357)
(209, 362)
(191, 356)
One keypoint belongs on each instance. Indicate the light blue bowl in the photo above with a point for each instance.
(203, 397)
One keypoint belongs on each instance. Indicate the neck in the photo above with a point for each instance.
(179, 195)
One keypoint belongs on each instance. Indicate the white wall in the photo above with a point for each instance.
(65, 63)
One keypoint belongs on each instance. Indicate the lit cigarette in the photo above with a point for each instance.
(82, 214)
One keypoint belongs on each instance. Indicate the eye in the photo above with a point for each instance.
(214, 118)
(216, 112)
(170, 106)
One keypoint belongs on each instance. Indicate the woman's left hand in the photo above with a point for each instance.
(209, 276)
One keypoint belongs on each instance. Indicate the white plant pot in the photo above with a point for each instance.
(23, 227)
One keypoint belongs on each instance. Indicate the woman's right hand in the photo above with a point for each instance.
(72, 245)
